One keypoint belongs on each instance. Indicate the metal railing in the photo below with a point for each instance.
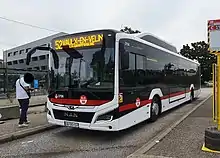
(9, 76)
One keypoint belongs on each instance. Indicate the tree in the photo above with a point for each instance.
(129, 30)
(199, 51)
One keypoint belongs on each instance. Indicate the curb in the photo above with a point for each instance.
(146, 147)
(27, 132)
(34, 105)
(149, 156)
(39, 111)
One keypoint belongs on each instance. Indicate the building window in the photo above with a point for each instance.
(48, 44)
(28, 49)
(21, 51)
(16, 52)
(9, 54)
(36, 68)
(15, 62)
(34, 58)
(29, 68)
(9, 63)
(43, 67)
(42, 57)
(47, 56)
(21, 61)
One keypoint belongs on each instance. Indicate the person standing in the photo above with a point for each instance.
(23, 88)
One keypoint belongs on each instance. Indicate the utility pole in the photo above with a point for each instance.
(5, 68)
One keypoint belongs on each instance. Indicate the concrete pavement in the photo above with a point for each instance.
(9, 129)
(187, 138)
(9, 108)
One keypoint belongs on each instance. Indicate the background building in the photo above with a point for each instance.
(1, 63)
(16, 57)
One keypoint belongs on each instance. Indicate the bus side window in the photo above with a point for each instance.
(124, 57)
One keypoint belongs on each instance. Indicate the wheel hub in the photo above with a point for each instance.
(155, 108)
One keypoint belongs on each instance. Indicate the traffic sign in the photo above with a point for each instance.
(214, 36)
(36, 85)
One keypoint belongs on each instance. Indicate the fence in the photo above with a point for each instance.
(9, 76)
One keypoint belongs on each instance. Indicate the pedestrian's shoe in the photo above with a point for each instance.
(22, 125)
(28, 122)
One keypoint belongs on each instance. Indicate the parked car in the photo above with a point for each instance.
(209, 83)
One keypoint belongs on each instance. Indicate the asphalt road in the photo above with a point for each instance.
(67, 142)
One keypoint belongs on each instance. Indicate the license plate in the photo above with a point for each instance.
(71, 124)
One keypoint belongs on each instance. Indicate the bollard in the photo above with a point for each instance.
(212, 138)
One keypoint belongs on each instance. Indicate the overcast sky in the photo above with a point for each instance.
(176, 21)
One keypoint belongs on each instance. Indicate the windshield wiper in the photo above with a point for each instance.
(92, 93)
(84, 87)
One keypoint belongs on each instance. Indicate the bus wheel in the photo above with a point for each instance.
(155, 109)
(192, 95)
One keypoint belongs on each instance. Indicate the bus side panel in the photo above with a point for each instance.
(134, 117)
(167, 105)
(143, 68)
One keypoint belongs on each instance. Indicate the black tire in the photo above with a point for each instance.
(212, 138)
(155, 109)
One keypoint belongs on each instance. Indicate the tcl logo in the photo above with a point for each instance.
(59, 96)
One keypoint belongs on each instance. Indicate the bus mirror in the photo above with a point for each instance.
(33, 50)
(124, 60)
(55, 58)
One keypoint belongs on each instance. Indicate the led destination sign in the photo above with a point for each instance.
(79, 41)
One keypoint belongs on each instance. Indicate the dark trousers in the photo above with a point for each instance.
(24, 104)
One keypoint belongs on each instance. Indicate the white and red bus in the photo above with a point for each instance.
(109, 80)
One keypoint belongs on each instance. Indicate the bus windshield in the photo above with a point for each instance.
(92, 68)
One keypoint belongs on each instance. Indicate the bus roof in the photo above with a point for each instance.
(156, 40)
(90, 31)
(163, 44)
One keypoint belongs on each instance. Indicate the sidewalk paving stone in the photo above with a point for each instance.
(186, 140)
(11, 126)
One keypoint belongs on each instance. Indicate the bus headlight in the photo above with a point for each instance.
(109, 116)
(105, 117)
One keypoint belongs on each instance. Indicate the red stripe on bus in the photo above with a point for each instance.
(77, 102)
(100, 102)
(174, 94)
(144, 102)
(133, 105)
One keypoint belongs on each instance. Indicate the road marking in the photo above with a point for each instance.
(30, 141)
(148, 156)
(146, 147)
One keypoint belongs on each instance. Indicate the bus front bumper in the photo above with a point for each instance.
(99, 126)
